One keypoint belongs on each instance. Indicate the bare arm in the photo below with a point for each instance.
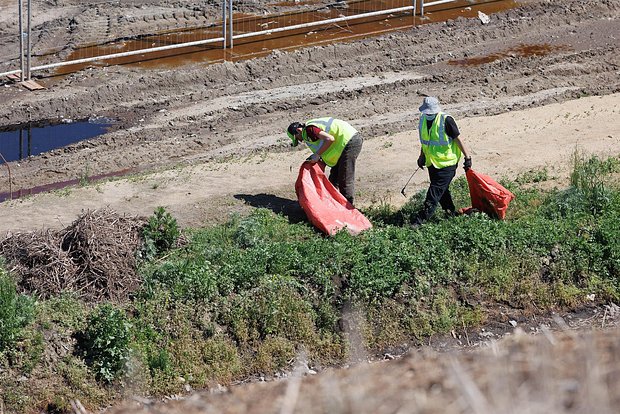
(463, 147)
(326, 141)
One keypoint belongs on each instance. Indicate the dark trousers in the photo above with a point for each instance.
(342, 175)
(438, 192)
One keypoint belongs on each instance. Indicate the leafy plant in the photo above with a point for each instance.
(83, 179)
(105, 342)
(533, 176)
(16, 312)
(587, 179)
(160, 233)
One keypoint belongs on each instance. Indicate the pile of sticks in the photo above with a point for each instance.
(94, 257)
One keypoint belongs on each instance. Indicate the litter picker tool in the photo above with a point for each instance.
(403, 190)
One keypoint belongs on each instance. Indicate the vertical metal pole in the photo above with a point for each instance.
(21, 41)
(422, 8)
(28, 47)
(230, 16)
(415, 3)
(224, 23)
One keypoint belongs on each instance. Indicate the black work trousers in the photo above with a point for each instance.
(438, 192)
(342, 175)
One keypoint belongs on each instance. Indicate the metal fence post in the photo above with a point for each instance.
(224, 23)
(230, 16)
(28, 66)
(422, 8)
(21, 40)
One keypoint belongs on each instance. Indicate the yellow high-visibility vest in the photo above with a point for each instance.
(341, 131)
(439, 149)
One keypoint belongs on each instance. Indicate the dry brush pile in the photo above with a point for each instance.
(94, 257)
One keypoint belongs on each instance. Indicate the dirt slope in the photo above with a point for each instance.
(567, 371)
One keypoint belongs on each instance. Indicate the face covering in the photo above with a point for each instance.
(430, 117)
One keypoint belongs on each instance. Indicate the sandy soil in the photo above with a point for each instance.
(222, 126)
(503, 145)
(209, 141)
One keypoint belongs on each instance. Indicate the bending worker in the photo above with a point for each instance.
(441, 151)
(334, 142)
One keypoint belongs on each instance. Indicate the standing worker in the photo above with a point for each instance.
(441, 151)
(334, 142)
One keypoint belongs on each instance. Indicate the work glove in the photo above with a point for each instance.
(421, 161)
(467, 164)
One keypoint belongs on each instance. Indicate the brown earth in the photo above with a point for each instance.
(224, 123)
(208, 140)
(562, 369)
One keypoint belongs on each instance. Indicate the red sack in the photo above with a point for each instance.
(487, 195)
(325, 207)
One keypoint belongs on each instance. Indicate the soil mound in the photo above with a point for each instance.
(94, 257)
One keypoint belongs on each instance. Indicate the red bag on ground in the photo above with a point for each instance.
(487, 195)
(325, 207)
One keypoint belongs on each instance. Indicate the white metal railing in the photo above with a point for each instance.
(25, 69)
(117, 55)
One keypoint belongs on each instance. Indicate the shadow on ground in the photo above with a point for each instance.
(289, 208)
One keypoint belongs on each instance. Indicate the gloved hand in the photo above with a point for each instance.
(314, 158)
(467, 164)
(421, 161)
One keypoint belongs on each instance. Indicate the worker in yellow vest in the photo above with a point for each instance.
(441, 150)
(335, 143)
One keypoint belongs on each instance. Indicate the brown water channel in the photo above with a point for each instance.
(520, 51)
(262, 45)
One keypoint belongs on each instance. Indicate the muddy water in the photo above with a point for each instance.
(519, 51)
(262, 45)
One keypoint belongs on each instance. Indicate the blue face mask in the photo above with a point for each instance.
(430, 117)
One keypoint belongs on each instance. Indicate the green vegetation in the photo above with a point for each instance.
(160, 233)
(16, 312)
(83, 179)
(104, 343)
(247, 297)
(533, 176)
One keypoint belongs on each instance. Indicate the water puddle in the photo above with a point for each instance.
(22, 141)
(518, 51)
(258, 46)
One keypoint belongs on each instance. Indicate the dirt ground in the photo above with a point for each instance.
(209, 139)
(562, 368)
(206, 141)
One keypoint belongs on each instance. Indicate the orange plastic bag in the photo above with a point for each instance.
(487, 195)
(325, 207)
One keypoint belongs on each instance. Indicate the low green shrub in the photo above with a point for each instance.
(160, 233)
(16, 311)
(274, 308)
(104, 343)
(533, 176)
